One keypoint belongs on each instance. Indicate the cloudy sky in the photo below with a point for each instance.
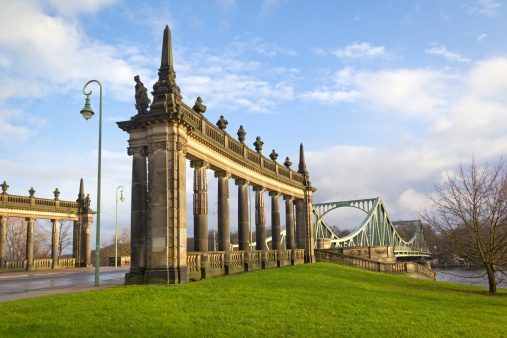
(384, 95)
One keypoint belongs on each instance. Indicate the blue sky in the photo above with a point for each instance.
(383, 94)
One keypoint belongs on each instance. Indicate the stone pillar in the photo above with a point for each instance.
(260, 223)
(300, 224)
(29, 243)
(138, 202)
(243, 223)
(86, 242)
(3, 234)
(55, 242)
(289, 226)
(201, 214)
(275, 226)
(224, 222)
(166, 260)
(308, 221)
(76, 242)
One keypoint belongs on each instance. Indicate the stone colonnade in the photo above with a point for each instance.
(158, 220)
(56, 210)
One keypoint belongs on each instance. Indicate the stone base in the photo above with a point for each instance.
(166, 276)
(296, 261)
(231, 270)
(268, 265)
(280, 263)
(249, 267)
(206, 273)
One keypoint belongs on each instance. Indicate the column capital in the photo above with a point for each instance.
(274, 193)
(158, 145)
(288, 197)
(198, 164)
(241, 181)
(222, 174)
(259, 188)
(30, 219)
(141, 150)
(55, 220)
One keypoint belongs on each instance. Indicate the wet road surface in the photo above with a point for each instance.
(29, 284)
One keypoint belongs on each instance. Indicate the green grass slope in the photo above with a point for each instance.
(316, 300)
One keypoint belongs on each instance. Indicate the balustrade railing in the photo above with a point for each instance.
(255, 256)
(300, 254)
(284, 172)
(271, 256)
(215, 135)
(16, 265)
(367, 264)
(194, 261)
(254, 157)
(237, 258)
(269, 165)
(236, 147)
(216, 259)
(67, 262)
(42, 264)
(285, 256)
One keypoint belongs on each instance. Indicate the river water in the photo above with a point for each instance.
(476, 277)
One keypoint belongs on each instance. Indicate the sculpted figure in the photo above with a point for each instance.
(199, 107)
(142, 100)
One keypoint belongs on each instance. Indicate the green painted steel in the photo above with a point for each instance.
(377, 229)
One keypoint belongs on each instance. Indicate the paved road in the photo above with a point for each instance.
(30, 284)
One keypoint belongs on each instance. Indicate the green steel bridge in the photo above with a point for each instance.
(376, 229)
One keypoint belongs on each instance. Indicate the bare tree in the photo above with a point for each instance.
(65, 235)
(469, 209)
(15, 239)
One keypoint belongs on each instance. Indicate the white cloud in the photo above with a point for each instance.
(482, 37)
(269, 5)
(487, 8)
(471, 122)
(60, 57)
(452, 56)
(330, 96)
(79, 6)
(361, 50)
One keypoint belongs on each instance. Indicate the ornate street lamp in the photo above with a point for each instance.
(87, 113)
(116, 241)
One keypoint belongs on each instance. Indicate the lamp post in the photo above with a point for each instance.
(87, 113)
(214, 233)
(116, 232)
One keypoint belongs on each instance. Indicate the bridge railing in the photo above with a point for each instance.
(410, 269)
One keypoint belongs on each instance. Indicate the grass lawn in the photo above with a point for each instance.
(307, 300)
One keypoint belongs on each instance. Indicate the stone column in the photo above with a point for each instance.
(300, 224)
(29, 244)
(260, 223)
(76, 242)
(275, 226)
(309, 235)
(243, 223)
(138, 202)
(55, 242)
(224, 222)
(289, 225)
(86, 242)
(3, 234)
(166, 260)
(201, 214)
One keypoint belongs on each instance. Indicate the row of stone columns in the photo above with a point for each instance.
(81, 254)
(200, 211)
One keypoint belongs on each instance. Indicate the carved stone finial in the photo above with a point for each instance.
(258, 144)
(273, 156)
(31, 192)
(198, 106)
(57, 193)
(241, 134)
(287, 162)
(141, 95)
(4, 188)
(222, 123)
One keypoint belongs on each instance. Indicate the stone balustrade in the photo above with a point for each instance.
(409, 269)
(16, 265)
(42, 264)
